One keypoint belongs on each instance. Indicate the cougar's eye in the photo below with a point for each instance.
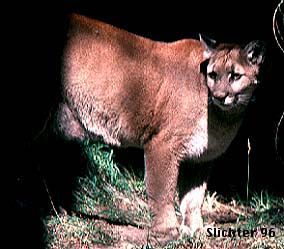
(235, 76)
(212, 75)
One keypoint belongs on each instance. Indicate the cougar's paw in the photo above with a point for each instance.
(186, 231)
(160, 237)
(172, 232)
(166, 224)
(195, 228)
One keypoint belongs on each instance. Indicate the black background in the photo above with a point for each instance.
(37, 32)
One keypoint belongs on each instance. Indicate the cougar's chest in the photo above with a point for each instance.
(197, 143)
(210, 138)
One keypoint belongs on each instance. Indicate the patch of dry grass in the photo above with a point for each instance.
(111, 212)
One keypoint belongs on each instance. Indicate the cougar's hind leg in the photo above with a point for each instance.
(68, 125)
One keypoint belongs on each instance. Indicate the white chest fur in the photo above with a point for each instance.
(210, 138)
(198, 141)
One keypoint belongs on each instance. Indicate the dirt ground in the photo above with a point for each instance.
(74, 231)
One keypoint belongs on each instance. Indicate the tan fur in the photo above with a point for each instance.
(132, 91)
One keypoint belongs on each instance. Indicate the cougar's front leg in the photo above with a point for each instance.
(192, 187)
(190, 209)
(161, 181)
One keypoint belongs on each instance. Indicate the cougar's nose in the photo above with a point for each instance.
(220, 96)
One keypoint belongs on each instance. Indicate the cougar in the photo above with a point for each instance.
(179, 101)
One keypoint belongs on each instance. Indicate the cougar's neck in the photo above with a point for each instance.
(222, 128)
(226, 117)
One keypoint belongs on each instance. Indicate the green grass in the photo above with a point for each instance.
(267, 218)
(66, 231)
(106, 192)
(108, 197)
(110, 192)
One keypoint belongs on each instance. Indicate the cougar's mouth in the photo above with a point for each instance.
(225, 103)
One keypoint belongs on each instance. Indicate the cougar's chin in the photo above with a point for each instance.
(230, 102)
(226, 103)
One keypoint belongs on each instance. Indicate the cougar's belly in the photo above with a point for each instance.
(108, 125)
(103, 122)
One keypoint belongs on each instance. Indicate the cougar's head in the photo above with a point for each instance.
(232, 72)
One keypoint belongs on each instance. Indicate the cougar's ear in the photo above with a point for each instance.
(209, 45)
(255, 52)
